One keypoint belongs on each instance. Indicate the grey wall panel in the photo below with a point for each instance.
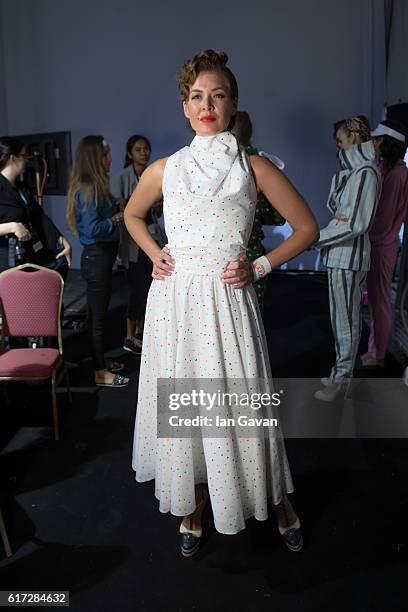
(397, 73)
(3, 93)
(101, 67)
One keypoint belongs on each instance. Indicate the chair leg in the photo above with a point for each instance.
(5, 394)
(54, 406)
(4, 537)
(68, 386)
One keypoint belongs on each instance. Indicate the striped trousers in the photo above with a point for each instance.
(345, 294)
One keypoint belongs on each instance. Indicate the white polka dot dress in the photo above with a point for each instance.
(197, 327)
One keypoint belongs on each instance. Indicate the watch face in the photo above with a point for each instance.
(260, 269)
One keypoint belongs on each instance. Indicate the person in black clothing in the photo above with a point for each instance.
(138, 266)
(23, 223)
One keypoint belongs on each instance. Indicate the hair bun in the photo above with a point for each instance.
(213, 57)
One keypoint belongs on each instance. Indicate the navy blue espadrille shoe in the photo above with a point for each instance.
(293, 539)
(293, 536)
(189, 543)
(190, 539)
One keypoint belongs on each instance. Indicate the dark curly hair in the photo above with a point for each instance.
(392, 149)
(9, 146)
(242, 129)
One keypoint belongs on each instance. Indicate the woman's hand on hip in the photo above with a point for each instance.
(238, 273)
(163, 264)
(21, 232)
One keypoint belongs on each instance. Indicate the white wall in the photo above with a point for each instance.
(97, 66)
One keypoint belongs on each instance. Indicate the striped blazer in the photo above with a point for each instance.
(353, 198)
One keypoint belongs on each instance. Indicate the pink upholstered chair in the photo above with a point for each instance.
(30, 302)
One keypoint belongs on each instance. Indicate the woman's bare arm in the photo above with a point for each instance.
(147, 193)
(16, 228)
(290, 204)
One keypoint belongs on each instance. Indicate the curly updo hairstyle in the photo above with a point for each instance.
(206, 61)
(359, 125)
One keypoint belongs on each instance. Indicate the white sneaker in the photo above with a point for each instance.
(331, 391)
(326, 381)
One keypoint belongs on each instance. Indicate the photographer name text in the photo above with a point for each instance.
(218, 421)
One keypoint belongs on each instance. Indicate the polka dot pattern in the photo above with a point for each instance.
(197, 327)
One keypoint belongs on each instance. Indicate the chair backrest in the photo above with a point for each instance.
(31, 301)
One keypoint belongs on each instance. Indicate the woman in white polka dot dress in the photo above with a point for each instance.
(202, 319)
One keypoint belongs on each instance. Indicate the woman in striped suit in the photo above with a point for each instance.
(345, 246)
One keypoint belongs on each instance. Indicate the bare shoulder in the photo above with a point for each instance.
(264, 171)
(157, 167)
(153, 175)
(262, 165)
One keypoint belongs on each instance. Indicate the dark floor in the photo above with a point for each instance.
(77, 520)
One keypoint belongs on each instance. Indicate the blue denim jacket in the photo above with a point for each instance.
(94, 223)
